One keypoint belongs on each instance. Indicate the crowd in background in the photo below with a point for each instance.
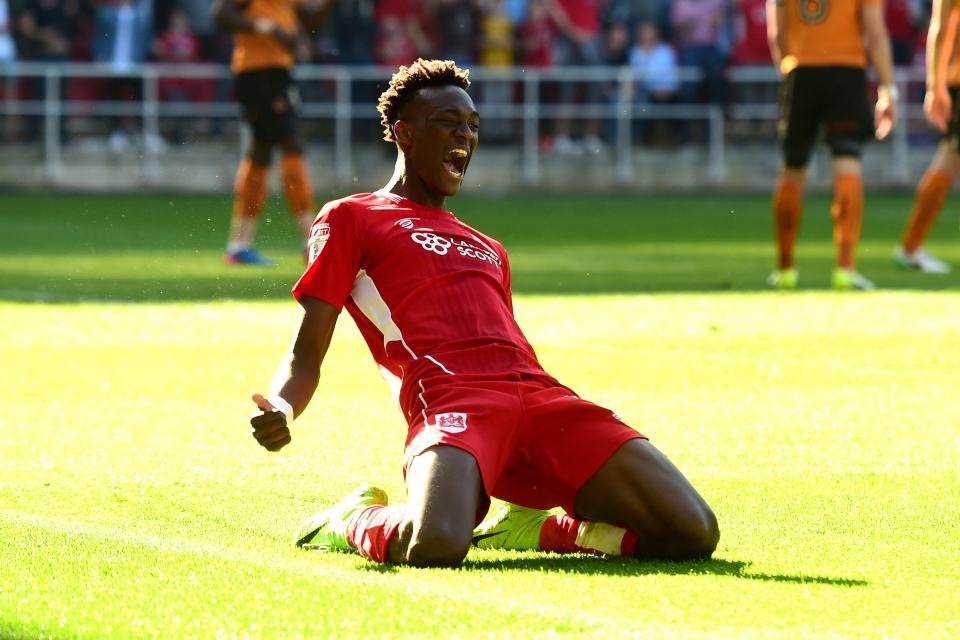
(655, 37)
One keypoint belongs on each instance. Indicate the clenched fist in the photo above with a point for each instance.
(269, 425)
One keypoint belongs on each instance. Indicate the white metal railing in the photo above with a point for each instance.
(530, 110)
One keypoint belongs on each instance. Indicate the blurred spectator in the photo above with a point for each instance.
(497, 49)
(535, 41)
(535, 36)
(655, 11)
(80, 24)
(518, 10)
(899, 21)
(401, 33)
(577, 44)
(8, 53)
(44, 33)
(617, 44)
(179, 45)
(697, 30)
(43, 36)
(8, 48)
(456, 24)
(354, 27)
(751, 51)
(655, 65)
(750, 46)
(123, 31)
(201, 25)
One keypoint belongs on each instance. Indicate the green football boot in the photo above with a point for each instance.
(783, 279)
(512, 527)
(327, 530)
(848, 280)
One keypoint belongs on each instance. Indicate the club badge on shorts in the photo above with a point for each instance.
(318, 239)
(451, 422)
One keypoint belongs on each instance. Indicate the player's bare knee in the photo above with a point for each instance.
(438, 545)
(697, 535)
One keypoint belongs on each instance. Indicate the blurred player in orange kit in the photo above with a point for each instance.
(821, 48)
(265, 39)
(940, 105)
(432, 298)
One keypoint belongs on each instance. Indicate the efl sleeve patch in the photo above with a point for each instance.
(318, 240)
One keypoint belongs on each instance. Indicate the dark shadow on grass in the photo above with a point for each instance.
(627, 567)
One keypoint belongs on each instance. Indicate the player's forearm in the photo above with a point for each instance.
(934, 42)
(296, 380)
(882, 60)
(776, 29)
(298, 375)
(878, 45)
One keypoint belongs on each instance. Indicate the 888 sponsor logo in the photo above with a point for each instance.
(442, 246)
(432, 242)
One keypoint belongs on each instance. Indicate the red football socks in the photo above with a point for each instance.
(371, 529)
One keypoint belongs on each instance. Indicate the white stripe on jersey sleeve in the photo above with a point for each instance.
(368, 299)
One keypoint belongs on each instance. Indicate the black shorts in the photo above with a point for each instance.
(832, 98)
(952, 136)
(269, 99)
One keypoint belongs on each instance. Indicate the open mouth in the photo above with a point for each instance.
(455, 162)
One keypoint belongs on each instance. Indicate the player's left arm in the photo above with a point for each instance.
(777, 30)
(314, 13)
(878, 48)
(297, 375)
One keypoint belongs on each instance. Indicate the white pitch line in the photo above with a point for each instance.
(310, 567)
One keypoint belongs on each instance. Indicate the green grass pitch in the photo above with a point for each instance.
(822, 427)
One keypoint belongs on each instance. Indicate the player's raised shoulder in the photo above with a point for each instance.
(347, 206)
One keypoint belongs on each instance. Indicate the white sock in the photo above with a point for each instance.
(235, 246)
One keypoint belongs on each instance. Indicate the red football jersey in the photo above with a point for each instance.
(430, 294)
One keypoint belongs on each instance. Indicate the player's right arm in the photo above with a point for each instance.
(228, 14)
(879, 50)
(297, 375)
(335, 246)
(941, 37)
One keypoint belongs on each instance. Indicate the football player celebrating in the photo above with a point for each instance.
(432, 298)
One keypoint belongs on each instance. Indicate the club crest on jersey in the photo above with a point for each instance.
(318, 239)
(451, 422)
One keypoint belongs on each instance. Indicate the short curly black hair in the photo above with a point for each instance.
(408, 80)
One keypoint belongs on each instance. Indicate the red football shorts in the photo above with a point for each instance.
(536, 442)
